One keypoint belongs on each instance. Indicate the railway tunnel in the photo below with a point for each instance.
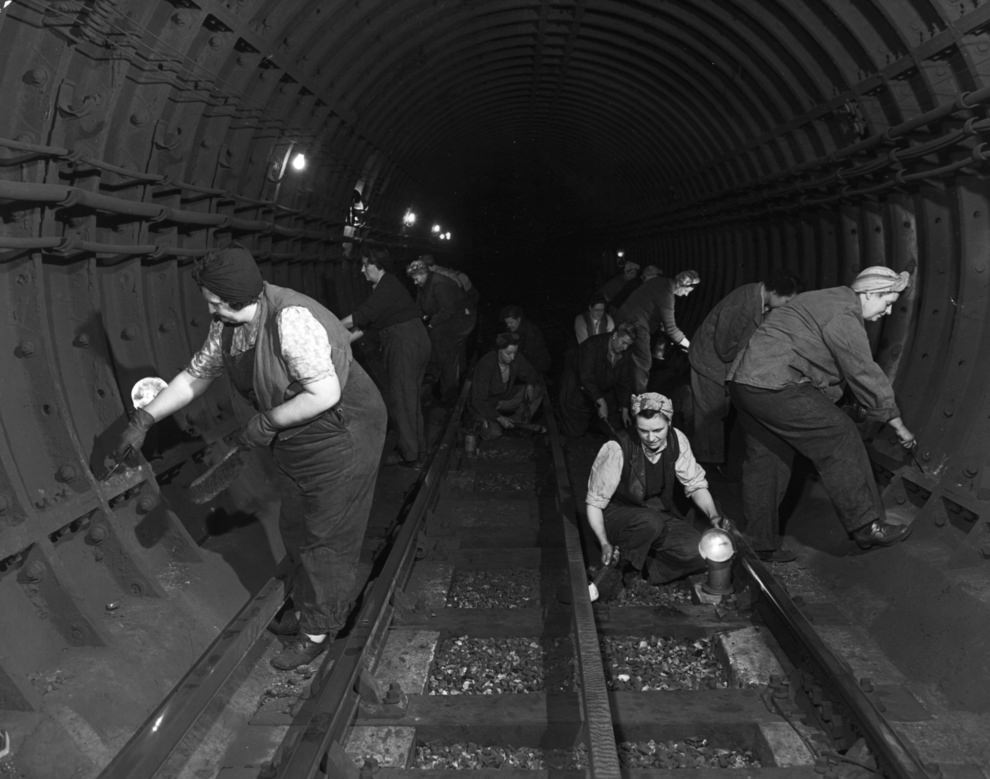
(532, 141)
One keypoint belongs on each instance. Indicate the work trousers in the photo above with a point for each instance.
(641, 351)
(407, 352)
(328, 472)
(799, 418)
(449, 350)
(513, 404)
(654, 541)
(711, 407)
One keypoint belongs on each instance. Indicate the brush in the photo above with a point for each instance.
(219, 477)
(142, 393)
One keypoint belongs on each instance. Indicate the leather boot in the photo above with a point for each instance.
(299, 652)
(879, 533)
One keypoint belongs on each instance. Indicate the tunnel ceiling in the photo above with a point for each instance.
(538, 117)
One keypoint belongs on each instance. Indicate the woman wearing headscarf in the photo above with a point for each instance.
(450, 318)
(785, 384)
(650, 307)
(315, 409)
(631, 501)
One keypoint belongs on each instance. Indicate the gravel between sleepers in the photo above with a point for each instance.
(686, 753)
(513, 588)
(658, 663)
(469, 756)
(496, 666)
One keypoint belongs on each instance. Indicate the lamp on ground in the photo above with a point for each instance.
(716, 550)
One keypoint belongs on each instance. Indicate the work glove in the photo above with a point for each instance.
(259, 431)
(132, 437)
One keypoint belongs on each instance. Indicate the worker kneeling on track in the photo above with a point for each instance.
(506, 391)
(631, 498)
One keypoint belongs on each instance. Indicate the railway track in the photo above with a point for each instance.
(475, 646)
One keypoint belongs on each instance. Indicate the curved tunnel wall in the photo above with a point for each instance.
(730, 136)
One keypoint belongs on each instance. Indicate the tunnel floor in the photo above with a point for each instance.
(918, 612)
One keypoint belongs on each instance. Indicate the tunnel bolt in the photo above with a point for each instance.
(36, 77)
(145, 504)
(35, 572)
(97, 534)
(65, 474)
(26, 348)
(129, 333)
(81, 340)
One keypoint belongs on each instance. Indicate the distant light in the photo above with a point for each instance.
(409, 218)
(299, 162)
(436, 228)
(621, 254)
(447, 235)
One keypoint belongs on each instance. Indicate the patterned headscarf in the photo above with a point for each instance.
(417, 266)
(879, 278)
(652, 401)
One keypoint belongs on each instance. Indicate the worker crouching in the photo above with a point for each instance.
(631, 503)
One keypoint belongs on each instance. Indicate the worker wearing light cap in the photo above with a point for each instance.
(785, 384)
(448, 315)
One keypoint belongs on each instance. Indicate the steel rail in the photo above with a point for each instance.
(150, 746)
(895, 758)
(326, 715)
(603, 756)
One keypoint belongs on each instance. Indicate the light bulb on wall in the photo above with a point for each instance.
(299, 162)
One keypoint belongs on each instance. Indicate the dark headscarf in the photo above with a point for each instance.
(230, 274)
(510, 311)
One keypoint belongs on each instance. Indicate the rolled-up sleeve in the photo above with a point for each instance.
(689, 473)
(605, 474)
